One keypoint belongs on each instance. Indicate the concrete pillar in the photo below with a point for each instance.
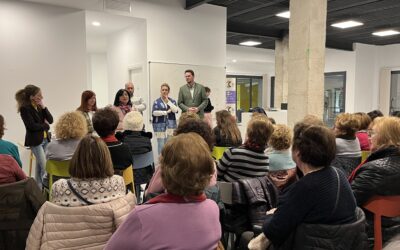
(281, 71)
(307, 29)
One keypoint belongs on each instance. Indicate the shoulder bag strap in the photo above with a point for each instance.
(337, 192)
(77, 194)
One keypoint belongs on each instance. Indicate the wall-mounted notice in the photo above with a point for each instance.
(230, 94)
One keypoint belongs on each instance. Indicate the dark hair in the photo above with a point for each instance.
(375, 113)
(395, 113)
(119, 94)
(105, 122)
(199, 127)
(207, 89)
(316, 145)
(23, 96)
(189, 71)
(1, 126)
(86, 95)
(258, 110)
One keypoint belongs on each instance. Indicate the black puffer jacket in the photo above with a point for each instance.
(346, 164)
(328, 237)
(380, 175)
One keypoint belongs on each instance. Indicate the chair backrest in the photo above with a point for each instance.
(218, 152)
(127, 174)
(364, 155)
(56, 168)
(225, 189)
(388, 206)
(143, 160)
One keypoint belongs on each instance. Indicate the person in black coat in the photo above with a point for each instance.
(37, 119)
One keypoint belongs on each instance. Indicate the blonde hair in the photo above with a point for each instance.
(71, 125)
(227, 124)
(281, 138)
(187, 116)
(312, 120)
(189, 171)
(364, 120)
(91, 159)
(259, 130)
(388, 129)
(165, 85)
(347, 124)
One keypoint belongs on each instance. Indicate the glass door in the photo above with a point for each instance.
(334, 96)
(394, 92)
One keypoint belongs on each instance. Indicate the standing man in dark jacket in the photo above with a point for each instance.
(192, 96)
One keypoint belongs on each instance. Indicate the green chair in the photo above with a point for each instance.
(56, 168)
(218, 152)
(364, 155)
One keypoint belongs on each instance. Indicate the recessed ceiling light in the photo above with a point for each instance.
(347, 24)
(95, 23)
(234, 60)
(285, 14)
(386, 33)
(250, 43)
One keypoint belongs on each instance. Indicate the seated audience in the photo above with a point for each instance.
(226, 132)
(70, 129)
(6, 147)
(185, 208)
(282, 169)
(92, 177)
(10, 171)
(88, 107)
(188, 116)
(364, 120)
(380, 174)
(374, 114)
(19, 203)
(248, 160)
(319, 210)
(122, 105)
(139, 143)
(105, 122)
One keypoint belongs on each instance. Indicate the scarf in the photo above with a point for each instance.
(109, 138)
(171, 198)
(125, 108)
(254, 146)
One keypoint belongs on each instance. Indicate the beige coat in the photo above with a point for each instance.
(86, 227)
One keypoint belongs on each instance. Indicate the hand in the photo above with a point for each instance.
(192, 110)
(41, 104)
(169, 111)
(195, 110)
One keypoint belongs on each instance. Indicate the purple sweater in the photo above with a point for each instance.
(169, 226)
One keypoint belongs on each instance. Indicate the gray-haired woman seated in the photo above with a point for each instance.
(319, 210)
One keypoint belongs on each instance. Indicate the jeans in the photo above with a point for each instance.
(160, 143)
(39, 153)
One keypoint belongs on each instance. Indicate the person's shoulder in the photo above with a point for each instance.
(6, 158)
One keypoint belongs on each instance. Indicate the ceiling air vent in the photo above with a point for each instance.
(118, 5)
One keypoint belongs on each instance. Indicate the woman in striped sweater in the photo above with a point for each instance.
(248, 160)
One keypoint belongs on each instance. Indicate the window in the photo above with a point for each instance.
(248, 92)
(334, 96)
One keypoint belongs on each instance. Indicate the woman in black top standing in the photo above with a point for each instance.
(36, 118)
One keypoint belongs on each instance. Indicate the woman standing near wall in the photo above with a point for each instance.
(36, 118)
(88, 107)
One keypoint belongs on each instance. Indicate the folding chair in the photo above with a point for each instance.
(218, 152)
(127, 174)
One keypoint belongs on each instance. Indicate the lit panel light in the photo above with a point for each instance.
(250, 43)
(95, 23)
(285, 14)
(347, 24)
(386, 33)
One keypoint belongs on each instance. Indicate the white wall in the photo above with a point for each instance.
(42, 45)
(98, 73)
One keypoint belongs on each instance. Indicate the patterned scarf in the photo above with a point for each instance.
(125, 108)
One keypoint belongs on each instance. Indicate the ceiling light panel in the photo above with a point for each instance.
(285, 14)
(386, 33)
(347, 24)
(250, 43)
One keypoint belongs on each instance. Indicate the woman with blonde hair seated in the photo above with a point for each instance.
(88, 207)
(182, 218)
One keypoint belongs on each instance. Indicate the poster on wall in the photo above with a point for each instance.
(230, 93)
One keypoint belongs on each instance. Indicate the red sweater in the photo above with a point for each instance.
(10, 170)
(363, 139)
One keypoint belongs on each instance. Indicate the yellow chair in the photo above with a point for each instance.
(364, 155)
(127, 174)
(218, 152)
(56, 168)
(31, 157)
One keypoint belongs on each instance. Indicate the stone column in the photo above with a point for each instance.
(307, 29)
(281, 71)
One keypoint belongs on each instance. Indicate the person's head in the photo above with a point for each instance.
(122, 97)
(259, 110)
(188, 116)
(208, 91)
(281, 138)
(164, 90)
(374, 114)
(312, 120)
(227, 124)
(188, 172)
(395, 113)
(189, 76)
(88, 101)
(133, 121)
(259, 130)
(199, 127)
(2, 126)
(130, 88)
(363, 119)
(71, 125)
(91, 159)
(314, 146)
(105, 122)
(346, 125)
(384, 132)
(28, 95)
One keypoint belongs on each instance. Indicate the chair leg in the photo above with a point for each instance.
(30, 164)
